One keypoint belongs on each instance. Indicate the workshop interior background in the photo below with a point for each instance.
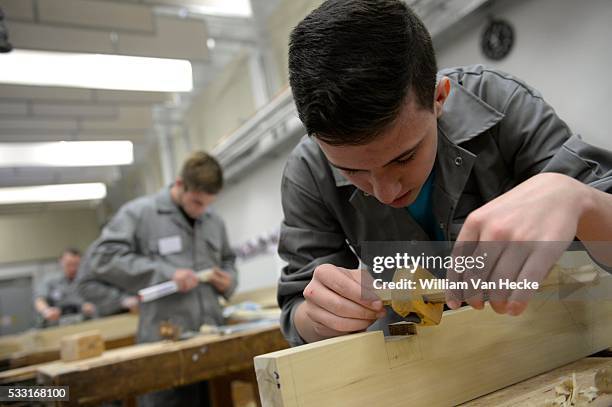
(240, 109)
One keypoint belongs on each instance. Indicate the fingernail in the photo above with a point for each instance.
(453, 304)
(513, 309)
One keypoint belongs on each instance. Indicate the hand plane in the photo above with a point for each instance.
(428, 305)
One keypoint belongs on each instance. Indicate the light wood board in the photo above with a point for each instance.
(471, 353)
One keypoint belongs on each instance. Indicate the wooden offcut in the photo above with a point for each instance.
(471, 353)
(81, 346)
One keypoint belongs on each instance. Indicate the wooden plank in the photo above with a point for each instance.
(535, 391)
(19, 375)
(471, 353)
(155, 366)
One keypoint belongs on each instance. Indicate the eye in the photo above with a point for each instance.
(406, 159)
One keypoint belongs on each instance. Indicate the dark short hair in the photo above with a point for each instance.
(71, 250)
(202, 172)
(353, 62)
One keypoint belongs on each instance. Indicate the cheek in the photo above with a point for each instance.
(361, 181)
(423, 164)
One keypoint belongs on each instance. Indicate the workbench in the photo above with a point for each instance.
(537, 390)
(43, 345)
(130, 371)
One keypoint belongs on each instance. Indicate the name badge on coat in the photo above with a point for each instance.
(170, 245)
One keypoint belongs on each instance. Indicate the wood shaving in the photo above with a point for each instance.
(570, 395)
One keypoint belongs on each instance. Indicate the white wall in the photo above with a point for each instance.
(43, 235)
(562, 48)
(252, 207)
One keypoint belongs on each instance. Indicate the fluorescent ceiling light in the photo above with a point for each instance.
(52, 193)
(96, 71)
(224, 8)
(66, 154)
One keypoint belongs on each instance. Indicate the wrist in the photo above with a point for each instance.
(304, 325)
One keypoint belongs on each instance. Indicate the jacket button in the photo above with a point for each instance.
(366, 194)
(458, 161)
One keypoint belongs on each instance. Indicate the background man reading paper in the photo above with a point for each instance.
(398, 151)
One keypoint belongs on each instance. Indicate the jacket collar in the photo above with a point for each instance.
(165, 204)
(465, 116)
(164, 201)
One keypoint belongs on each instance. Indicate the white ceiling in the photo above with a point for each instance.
(153, 28)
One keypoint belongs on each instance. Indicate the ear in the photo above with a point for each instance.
(443, 89)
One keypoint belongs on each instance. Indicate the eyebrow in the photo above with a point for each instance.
(399, 157)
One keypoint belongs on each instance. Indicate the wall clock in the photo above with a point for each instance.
(497, 39)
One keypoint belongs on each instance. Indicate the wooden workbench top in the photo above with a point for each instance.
(536, 391)
(142, 368)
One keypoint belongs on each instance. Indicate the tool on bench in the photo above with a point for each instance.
(169, 330)
(169, 287)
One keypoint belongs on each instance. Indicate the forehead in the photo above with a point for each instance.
(411, 126)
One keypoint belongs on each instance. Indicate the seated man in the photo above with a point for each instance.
(57, 300)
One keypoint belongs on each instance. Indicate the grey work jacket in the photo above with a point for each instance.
(59, 292)
(129, 255)
(494, 133)
(107, 298)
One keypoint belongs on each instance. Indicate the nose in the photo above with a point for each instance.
(386, 188)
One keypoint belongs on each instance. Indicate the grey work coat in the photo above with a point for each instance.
(138, 248)
(494, 133)
(59, 292)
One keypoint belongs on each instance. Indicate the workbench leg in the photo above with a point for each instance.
(129, 402)
(252, 379)
(221, 392)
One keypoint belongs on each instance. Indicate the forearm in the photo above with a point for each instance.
(41, 305)
(595, 224)
(127, 270)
